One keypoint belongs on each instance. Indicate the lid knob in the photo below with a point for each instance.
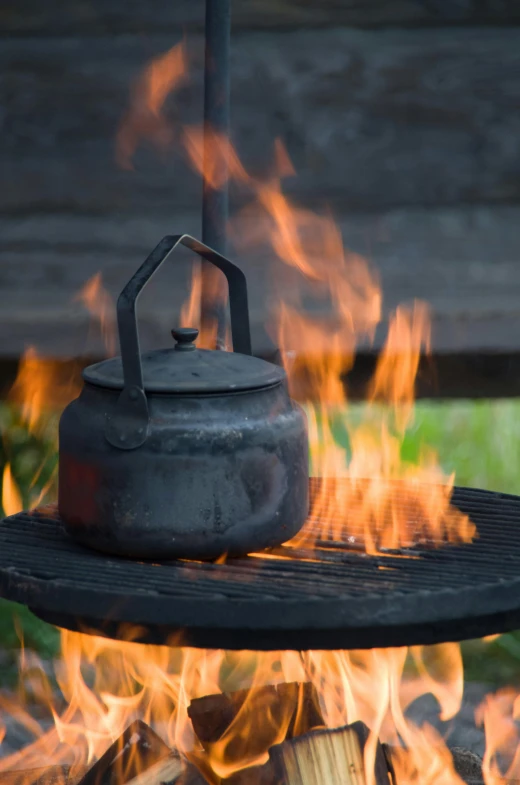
(185, 338)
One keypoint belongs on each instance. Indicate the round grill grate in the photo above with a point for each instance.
(334, 597)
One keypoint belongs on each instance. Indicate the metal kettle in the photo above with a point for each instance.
(183, 452)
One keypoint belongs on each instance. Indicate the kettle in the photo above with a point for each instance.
(183, 452)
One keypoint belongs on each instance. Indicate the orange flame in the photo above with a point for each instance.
(212, 155)
(144, 119)
(398, 363)
(157, 684)
(105, 684)
(499, 714)
(41, 385)
(190, 311)
(11, 496)
(319, 352)
(100, 305)
(215, 295)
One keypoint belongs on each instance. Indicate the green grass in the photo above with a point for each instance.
(479, 441)
(32, 456)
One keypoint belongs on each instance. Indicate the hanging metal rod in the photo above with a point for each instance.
(215, 200)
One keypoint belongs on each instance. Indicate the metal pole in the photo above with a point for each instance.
(215, 200)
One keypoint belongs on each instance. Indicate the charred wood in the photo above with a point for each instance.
(265, 711)
(212, 715)
(468, 765)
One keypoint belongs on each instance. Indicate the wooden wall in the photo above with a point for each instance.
(402, 115)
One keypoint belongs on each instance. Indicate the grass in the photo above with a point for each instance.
(478, 440)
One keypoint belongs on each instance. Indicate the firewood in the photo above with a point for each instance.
(49, 775)
(165, 771)
(267, 709)
(212, 715)
(332, 756)
(190, 776)
(387, 751)
(467, 764)
(263, 711)
(254, 775)
(138, 757)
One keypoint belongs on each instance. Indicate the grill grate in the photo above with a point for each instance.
(333, 597)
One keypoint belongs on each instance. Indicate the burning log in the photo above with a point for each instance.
(50, 775)
(138, 757)
(332, 756)
(212, 715)
(264, 711)
(254, 775)
(468, 765)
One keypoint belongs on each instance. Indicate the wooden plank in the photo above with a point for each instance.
(463, 261)
(371, 119)
(106, 17)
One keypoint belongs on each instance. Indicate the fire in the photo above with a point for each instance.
(320, 352)
(191, 310)
(104, 684)
(144, 119)
(39, 388)
(100, 305)
(398, 363)
(43, 386)
(11, 496)
(499, 714)
(212, 154)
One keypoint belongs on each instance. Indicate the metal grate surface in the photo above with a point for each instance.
(331, 598)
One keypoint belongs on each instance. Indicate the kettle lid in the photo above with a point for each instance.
(189, 370)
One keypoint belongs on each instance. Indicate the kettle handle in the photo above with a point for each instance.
(126, 304)
(128, 427)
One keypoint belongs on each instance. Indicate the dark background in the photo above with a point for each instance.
(402, 115)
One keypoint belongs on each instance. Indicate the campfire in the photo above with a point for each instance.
(289, 655)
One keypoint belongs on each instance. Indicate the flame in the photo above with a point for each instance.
(190, 311)
(100, 305)
(398, 363)
(213, 156)
(144, 119)
(499, 714)
(216, 295)
(105, 684)
(11, 496)
(319, 352)
(41, 386)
